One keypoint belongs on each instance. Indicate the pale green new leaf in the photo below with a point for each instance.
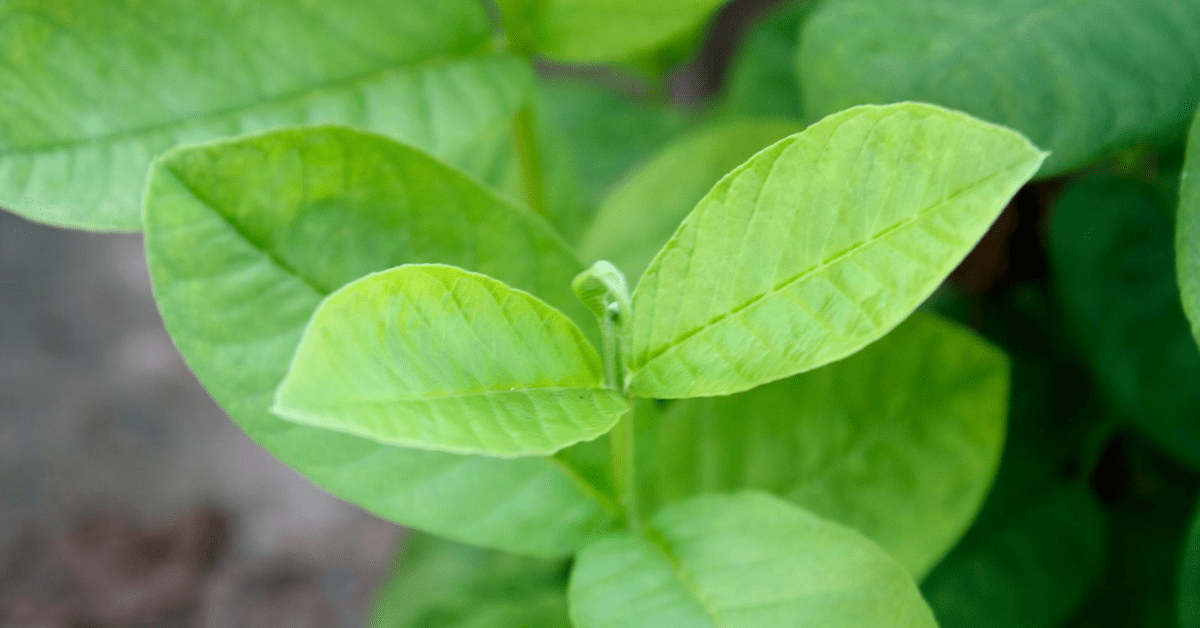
(94, 90)
(642, 213)
(818, 245)
(742, 561)
(439, 584)
(1079, 78)
(1187, 231)
(244, 238)
(899, 441)
(591, 31)
(435, 357)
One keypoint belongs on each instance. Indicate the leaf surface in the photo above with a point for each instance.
(439, 584)
(646, 208)
(818, 245)
(1112, 247)
(1080, 78)
(95, 90)
(435, 357)
(900, 441)
(590, 31)
(1187, 231)
(742, 561)
(244, 238)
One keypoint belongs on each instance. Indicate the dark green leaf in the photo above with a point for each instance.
(1187, 236)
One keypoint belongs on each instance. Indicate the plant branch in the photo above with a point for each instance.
(624, 467)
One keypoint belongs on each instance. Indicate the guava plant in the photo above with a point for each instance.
(666, 362)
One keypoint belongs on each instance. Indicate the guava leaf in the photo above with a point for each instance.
(1080, 79)
(819, 245)
(1111, 244)
(646, 208)
(1028, 570)
(590, 31)
(742, 561)
(900, 441)
(439, 584)
(1187, 231)
(244, 238)
(93, 91)
(435, 357)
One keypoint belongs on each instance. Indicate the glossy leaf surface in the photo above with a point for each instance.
(1080, 79)
(435, 357)
(899, 441)
(1187, 232)
(1112, 247)
(600, 30)
(439, 584)
(646, 208)
(245, 238)
(95, 90)
(818, 245)
(742, 561)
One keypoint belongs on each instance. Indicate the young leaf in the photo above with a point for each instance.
(818, 245)
(1111, 244)
(742, 561)
(1029, 570)
(646, 208)
(435, 357)
(244, 238)
(95, 90)
(439, 584)
(1189, 579)
(590, 31)
(1080, 79)
(1187, 231)
(899, 442)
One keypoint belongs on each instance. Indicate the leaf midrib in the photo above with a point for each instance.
(809, 272)
(458, 395)
(203, 118)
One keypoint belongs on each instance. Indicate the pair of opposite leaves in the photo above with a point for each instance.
(815, 247)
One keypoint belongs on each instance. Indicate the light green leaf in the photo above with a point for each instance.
(95, 90)
(899, 441)
(1189, 579)
(435, 357)
(742, 561)
(1080, 79)
(818, 245)
(590, 31)
(1187, 231)
(642, 213)
(1029, 570)
(439, 584)
(1111, 244)
(244, 239)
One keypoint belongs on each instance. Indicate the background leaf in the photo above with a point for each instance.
(95, 90)
(435, 357)
(762, 77)
(819, 245)
(244, 238)
(1027, 570)
(439, 584)
(1189, 579)
(1187, 236)
(1112, 247)
(1080, 79)
(899, 441)
(741, 561)
(600, 30)
(641, 214)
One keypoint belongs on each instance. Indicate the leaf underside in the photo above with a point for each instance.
(819, 245)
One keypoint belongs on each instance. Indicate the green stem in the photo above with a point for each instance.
(531, 162)
(624, 467)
